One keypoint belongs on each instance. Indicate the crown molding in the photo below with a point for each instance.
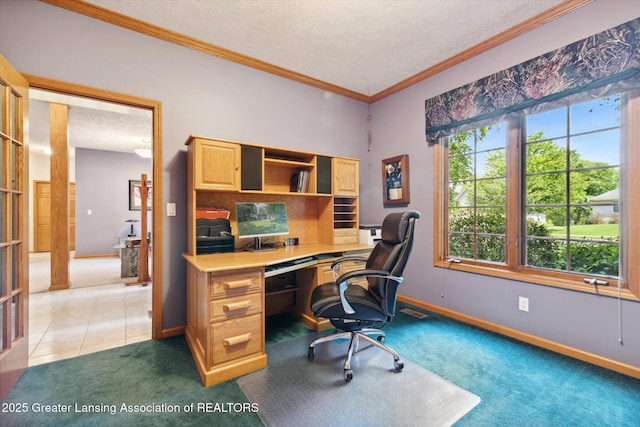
(142, 27)
(503, 37)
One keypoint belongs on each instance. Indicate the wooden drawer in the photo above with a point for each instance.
(343, 232)
(235, 338)
(229, 308)
(345, 239)
(230, 285)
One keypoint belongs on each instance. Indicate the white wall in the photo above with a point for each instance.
(579, 320)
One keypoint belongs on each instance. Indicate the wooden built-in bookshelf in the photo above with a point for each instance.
(222, 173)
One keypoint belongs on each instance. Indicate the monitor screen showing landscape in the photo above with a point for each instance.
(261, 219)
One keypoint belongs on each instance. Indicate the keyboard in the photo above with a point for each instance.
(284, 267)
(302, 260)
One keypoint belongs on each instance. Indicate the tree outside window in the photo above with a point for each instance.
(538, 194)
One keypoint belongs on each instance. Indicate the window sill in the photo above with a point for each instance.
(538, 279)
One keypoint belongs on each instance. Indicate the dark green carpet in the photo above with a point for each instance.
(519, 385)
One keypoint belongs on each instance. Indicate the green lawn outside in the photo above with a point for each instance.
(588, 230)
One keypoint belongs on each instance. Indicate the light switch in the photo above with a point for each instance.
(89, 212)
(171, 209)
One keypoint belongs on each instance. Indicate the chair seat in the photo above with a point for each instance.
(326, 303)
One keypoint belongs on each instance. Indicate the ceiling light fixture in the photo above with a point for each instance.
(145, 151)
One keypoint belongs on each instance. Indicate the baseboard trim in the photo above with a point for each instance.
(565, 350)
(96, 256)
(172, 332)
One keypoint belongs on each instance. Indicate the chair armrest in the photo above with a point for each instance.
(343, 283)
(354, 258)
(335, 266)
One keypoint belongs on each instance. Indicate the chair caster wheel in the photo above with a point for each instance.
(310, 353)
(398, 364)
(348, 375)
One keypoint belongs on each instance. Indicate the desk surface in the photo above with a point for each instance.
(245, 259)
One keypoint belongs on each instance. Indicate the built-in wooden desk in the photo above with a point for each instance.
(226, 302)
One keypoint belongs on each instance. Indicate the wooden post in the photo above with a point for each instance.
(59, 119)
(143, 252)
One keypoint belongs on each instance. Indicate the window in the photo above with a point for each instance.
(572, 177)
(541, 197)
(477, 194)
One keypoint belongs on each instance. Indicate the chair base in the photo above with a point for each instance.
(354, 343)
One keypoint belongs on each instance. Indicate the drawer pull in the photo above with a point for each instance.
(236, 305)
(240, 339)
(236, 284)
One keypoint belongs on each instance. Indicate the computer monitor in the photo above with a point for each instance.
(260, 220)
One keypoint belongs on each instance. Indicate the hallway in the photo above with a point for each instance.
(78, 321)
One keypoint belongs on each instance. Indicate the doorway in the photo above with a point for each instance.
(42, 216)
(153, 144)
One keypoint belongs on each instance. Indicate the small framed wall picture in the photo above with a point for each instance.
(395, 180)
(135, 199)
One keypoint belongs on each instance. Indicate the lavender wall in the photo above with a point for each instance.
(200, 94)
(584, 321)
(102, 186)
(207, 96)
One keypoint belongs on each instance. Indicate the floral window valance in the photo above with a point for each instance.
(597, 61)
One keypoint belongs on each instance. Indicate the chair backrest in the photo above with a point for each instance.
(391, 254)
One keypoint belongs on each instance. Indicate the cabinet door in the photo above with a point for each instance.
(345, 177)
(217, 165)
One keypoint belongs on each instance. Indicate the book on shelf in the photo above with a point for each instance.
(300, 182)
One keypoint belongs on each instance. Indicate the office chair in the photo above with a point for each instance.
(353, 309)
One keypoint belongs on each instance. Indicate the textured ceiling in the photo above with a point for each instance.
(365, 46)
(92, 124)
(362, 45)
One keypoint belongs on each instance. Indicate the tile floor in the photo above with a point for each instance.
(73, 322)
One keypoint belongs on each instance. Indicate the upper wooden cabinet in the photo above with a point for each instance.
(320, 191)
(345, 177)
(217, 165)
(222, 165)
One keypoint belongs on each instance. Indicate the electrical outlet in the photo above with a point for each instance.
(523, 304)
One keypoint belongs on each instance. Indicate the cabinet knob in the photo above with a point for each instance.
(237, 167)
(240, 339)
(236, 284)
(242, 305)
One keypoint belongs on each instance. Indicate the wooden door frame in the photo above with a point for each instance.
(156, 210)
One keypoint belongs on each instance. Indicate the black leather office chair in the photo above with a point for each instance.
(353, 309)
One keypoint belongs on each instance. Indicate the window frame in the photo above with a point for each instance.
(512, 269)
